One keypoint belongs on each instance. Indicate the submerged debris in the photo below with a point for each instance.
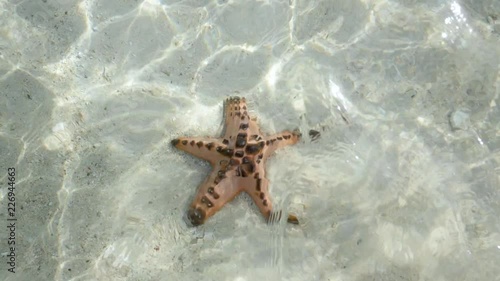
(459, 119)
(314, 135)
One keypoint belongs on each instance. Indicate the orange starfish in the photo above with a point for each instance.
(238, 160)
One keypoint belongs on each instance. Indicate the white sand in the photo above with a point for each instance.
(403, 183)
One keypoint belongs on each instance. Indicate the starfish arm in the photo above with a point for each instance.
(277, 141)
(258, 189)
(212, 195)
(236, 117)
(204, 148)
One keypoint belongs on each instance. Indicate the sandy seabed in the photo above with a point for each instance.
(402, 182)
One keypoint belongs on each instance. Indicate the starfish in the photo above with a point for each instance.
(238, 163)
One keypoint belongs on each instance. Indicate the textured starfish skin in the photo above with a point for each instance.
(238, 160)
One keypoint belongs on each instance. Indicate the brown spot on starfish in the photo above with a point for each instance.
(238, 163)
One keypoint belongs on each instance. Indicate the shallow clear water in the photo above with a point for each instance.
(402, 183)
